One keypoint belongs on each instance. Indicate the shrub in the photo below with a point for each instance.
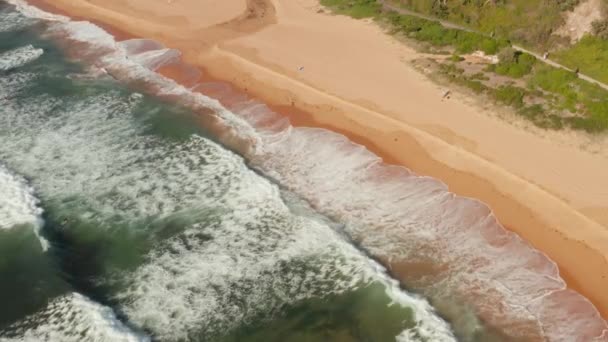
(586, 124)
(479, 76)
(510, 95)
(507, 55)
(456, 58)
(490, 46)
(531, 112)
(474, 85)
(513, 63)
(451, 69)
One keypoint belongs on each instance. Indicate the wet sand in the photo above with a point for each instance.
(356, 81)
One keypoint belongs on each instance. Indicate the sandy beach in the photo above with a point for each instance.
(349, 76)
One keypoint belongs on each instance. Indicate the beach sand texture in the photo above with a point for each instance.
(348, 75)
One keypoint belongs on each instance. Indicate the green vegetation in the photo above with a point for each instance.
(576, 96)
(456, 58)
(479, 76)
(559, 90)
(600, 29)
(590, 55)
(355, 8)
(455, 75)
(547, 96)
(510, 95)
(528, 21)
(513, 63)
(437, 35)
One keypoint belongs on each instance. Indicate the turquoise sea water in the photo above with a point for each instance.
(129, 222)
(132, 208)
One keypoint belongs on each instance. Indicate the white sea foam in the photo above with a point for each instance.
(415, 219)
(12, 84)
(18, 205)
(136, 46)
(156, 58)
(250, 248)
(400, 216)
(71, 318)
(19, 57)
(13, 21)
(391, 212)
(115, 58)
(33, 12)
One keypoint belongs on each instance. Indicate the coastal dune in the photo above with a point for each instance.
(347, 75)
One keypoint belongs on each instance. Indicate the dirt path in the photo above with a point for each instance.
(447, 24)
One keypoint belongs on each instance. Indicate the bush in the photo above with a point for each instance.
(474, 85)
(532, 112)
(451, 69)
(586, 124)
(490, 46)
(513, 63)
(510, 95)
(456, 58)
(508, 55)
(536, 114)
(479, 76)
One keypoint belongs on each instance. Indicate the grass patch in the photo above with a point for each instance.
(539, 116)
(455, 75)
(358, 9)
(480, 76)
(590, 55)
(528, 21)
(437, 35)
(510, 95)
(456, 58)
(576, 96)
(512, 63)
(557, 81)
(474, 85)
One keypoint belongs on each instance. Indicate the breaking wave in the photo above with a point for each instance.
(71, 318)
(18, 205)
(186, 239)
(19, 57)
(449, 248)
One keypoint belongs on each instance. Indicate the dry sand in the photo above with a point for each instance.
(357, 80)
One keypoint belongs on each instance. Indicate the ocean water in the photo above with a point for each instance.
(135, 209)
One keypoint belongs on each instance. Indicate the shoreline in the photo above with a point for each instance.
(544, 220)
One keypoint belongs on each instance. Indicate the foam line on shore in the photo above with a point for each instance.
(400, 217)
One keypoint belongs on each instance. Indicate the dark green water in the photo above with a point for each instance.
(121, 219)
